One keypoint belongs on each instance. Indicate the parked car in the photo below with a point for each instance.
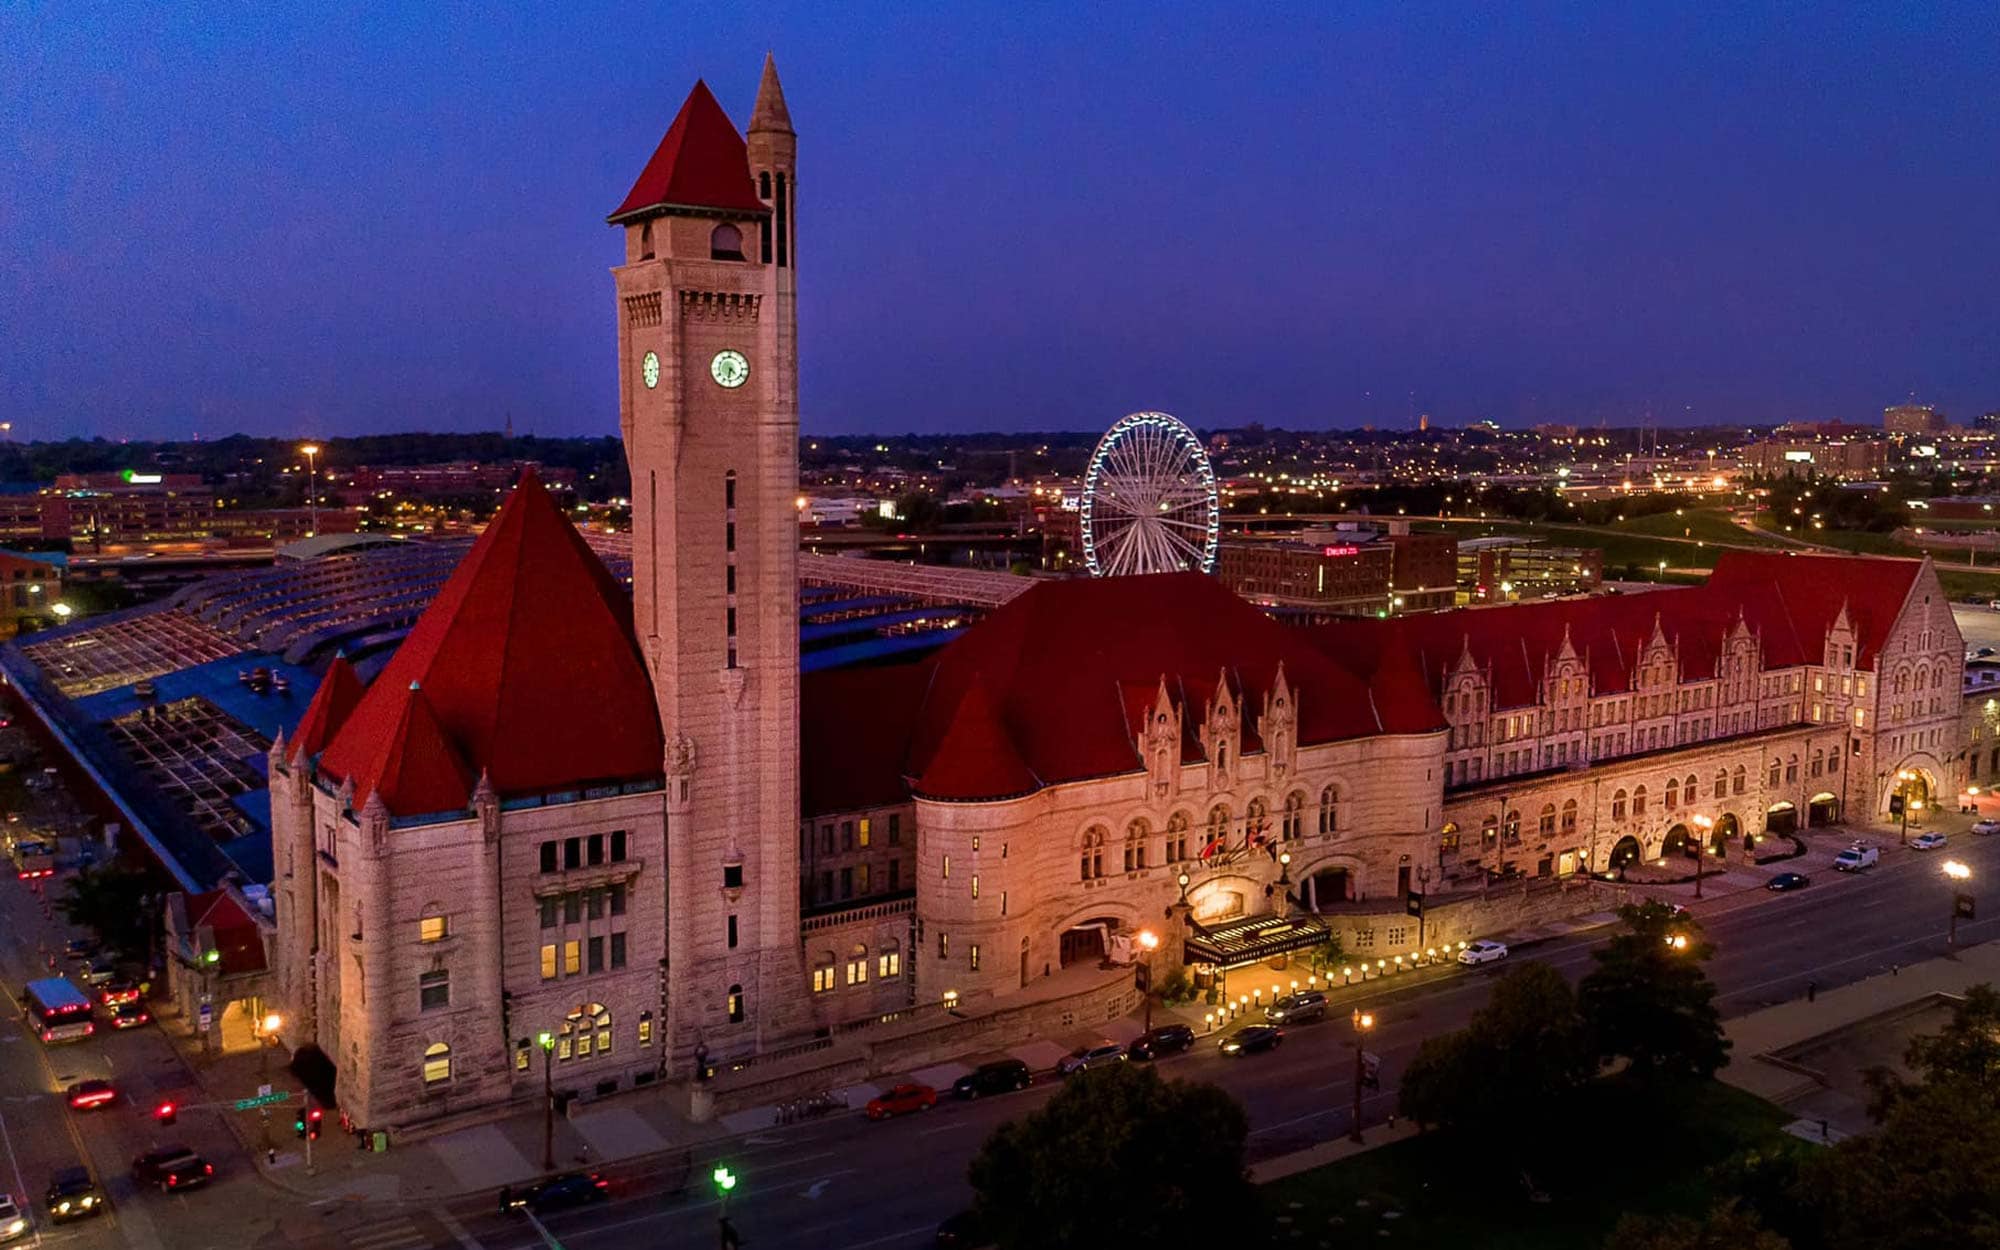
(130, 1016)
(1986, 826)
(1927, 842)
(1788, 881)
(1252, 1038)
(1483, 952)
(73, 1195)
(1165, 1040)
(1856, 857)
(14, 1221)
(998, 1077)
(172, 1169)
(118, 990)
(1095, 1055)
(901, 1100)
(92, 1094)
(1297, 1008)
(558, 1193)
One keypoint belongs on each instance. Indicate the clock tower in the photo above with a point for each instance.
(708, 404)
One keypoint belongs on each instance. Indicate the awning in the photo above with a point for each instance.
(1254, 939)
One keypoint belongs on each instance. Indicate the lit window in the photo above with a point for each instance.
(823, 978)
(549, 962)
(890, 964)
(437, 1063)
(975, 885)
(736, 1004)
(861, 832)
(572, 957)
(975, 956)
(645, 1028)
(433, 929)
(857, 966)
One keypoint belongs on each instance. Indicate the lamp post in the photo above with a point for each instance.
(548, 1044)
(311, 452)
(1149, 942)
(1903, 780)
(1704, 824)
(1957, 872)
(1363, 1023)
(267, 1035)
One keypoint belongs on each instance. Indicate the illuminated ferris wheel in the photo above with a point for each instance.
(1149, 500)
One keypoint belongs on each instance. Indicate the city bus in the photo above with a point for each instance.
(58, 1010)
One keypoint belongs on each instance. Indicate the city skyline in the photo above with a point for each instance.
(298, 217)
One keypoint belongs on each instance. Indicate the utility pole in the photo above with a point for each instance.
(548, 1044)
(1363, 1022)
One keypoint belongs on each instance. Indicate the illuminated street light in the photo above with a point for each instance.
(1961, 902)
(1364, 1022)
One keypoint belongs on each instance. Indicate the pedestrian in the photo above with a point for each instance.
(1812, 991)
(271, 1155)
(1895, 970)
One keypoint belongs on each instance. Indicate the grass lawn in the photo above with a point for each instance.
(1703, 524)
(1621, 1150)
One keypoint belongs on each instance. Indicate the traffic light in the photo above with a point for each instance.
(166, 1113)
(313, 1119)
(299, 1123)
(725, 1180)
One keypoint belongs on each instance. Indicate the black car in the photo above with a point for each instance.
(73, 1195)
(1252, 1038)
(998, 1077)
(558, 1193)
(172, 1169)
(1788, 881)
(1165, 1040)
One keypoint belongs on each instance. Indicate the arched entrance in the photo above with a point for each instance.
(1329, 885)
(1676, 842)
(1625, 853)
(1087, 941)
(1781, 819)
(1727, 830)
(1823, 809)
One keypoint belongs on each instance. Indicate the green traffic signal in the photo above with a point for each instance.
(725, 1180)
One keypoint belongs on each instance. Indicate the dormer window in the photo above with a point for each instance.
(725, 242)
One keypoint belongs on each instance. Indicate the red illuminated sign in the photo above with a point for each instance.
(1340, 551)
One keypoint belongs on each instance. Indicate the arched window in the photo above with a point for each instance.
(1329, 809)
(1569, 816)
(1689, 787)
(1448, 837)
(585, 1029)
(1295, 817)
(735, 1004)
(1091, 860)
(1177, 828)
(1256, 821)
(1721, 782)
(890, 962)
(646, 241)
(1672, 798)
(825, 975)
(1489, 831)
(1218, 829)
(857, 964)
(1775, 776)
(725, 242)
(1135, 845)
(1791, 768)
(1739, 781)
(437, 1063)
(1547, 824)
(1618, 805)
(1638, 800)
(1513, 826)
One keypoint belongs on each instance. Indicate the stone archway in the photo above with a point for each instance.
(1728, 829)
(1626, 852)
(1675, 843)
(1823, 809)
(1781, 819)
(1087, 941)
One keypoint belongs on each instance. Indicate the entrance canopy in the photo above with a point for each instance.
(1253, 939)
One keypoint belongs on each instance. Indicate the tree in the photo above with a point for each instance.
(1119, 1157)
(116, 905)
(1524, 1051)
(1728, 1227)
(1966, 1050)
(1649, 1000)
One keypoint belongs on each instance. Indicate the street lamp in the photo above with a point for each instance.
(548, 1045)
(1961, 902)
(1149, 942)
(1364, 1022)
(267, 1036)
(311, 452)
(62, 611)
(1704, 824)
(1677, 942)
(1903, 780)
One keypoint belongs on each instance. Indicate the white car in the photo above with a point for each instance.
(1986, 826)
(1927, 842)
(13, 1220)
(1482, 952)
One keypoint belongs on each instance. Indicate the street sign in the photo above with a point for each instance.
(1962, 906)
(263, 1100)
(206, 1018)
(263, 1091)
(1413, 904)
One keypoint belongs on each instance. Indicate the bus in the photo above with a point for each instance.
(58, 1010)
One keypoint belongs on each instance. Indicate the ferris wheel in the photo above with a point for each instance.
(1149, 500)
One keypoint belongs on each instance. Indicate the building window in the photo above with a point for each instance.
(975, 885)
(1091, 861)
(732, 931)
(944, 944)
(645, 1028)
(549, 962)
(617, 950)
(1489, 831)
(895, 874)
(944, 868)
(433, 990)
(617, 895)
(521, 1055)
(550, 902)
(1638, 800)
(437, 1063)
(572, 853)
(572, 957)
(1618, 805)
(1513, 826)
(1177, 827)
(594, 903)
(1739, 779)
(572, 907)
(548, 857)
(618, 847)
(1546, 825)
(889, 963)
(1672, 797)
(823, 976)
(857, 966)
(895, 829)
(595, 950)
(974, 949)
(1135, 845)
(735, 1004)
(1569, 816)
(732, 876)
(861, 833)
(586, 1029)
(1792, 768)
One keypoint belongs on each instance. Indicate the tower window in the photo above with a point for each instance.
(646, 241)
(725, 242)
(732, 932)
(782, 225)
(735, 1004)
(764, 184)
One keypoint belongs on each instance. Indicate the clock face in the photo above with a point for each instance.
(650, 369)
(729, 368)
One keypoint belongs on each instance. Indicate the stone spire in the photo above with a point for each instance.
(770, 114)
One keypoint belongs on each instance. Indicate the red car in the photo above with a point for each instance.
(129, 1016)
(118, 990)
(902, 1100)
(92, 1094)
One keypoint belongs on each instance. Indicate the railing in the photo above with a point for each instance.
(866, 911)
(944, 585)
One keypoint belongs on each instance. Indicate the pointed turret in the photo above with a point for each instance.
(699, 167)
(770, 116)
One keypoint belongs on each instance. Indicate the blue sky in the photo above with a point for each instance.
(311, 219)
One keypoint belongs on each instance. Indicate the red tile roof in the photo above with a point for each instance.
(413, 769)
(527, 667)
(701, 163)
(855, 724)
(976, 758)
(339, 691)
(238, 939)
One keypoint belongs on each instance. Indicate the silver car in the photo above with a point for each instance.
(1095, 1055)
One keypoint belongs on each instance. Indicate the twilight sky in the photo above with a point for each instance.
(283, 219)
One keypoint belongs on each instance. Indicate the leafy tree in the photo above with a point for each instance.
(114, 903)
(1728, 1227)
(1119, 1158)
(1965, 1051)
(1650, 1001)
(1525, 1050)
(1923, 1180)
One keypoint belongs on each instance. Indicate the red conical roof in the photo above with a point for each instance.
(338, 694)
(527, 659)
(413, 768)
(976, 759)
(701, 163)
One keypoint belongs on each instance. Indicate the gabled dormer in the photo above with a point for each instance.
(1278, 727)
(1841, 641)
(1222, 735)
(1465, 690)
(1162, 744)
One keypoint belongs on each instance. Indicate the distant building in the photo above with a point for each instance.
(1851, 459)
(454, 479)
(1987, 421)
(1507, 567)
(1550, 430)
(30, 585)
(1425, 571)
(1315, 574)
(1913, 419)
